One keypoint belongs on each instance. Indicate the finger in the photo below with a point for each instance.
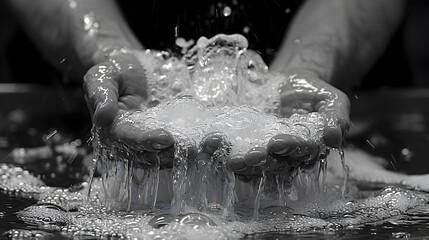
(101, 93)
(132, 87)
(130, 102)
(236, 163)
(337, 122)
(335, 128)
(332, 136)
(213, 142)
(277, 166)
(256, 156)
(291, 146)
(152, 141)
(250, 171)
(297, 102)
(163, 157)
(267, 163)
(202, 158)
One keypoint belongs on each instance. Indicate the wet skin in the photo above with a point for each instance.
(117, 84)
(301, 92)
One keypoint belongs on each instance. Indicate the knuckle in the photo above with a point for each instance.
(99, 72)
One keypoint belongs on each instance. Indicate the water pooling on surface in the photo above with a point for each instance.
(69, 212)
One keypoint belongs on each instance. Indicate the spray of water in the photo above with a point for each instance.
(218, 86)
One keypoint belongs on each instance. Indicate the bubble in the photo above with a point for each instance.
(181, 42)
(401, 235)
(72, 3)
(199, 198)
(226, 11)
(90, 25)
(407, 154)
(246, 29)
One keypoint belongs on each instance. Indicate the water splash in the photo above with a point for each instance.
(329, 211)
(217, 86)
(345, 171)
(258, 197)
(323, 168)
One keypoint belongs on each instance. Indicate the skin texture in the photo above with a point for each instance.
(91, 39)
(88, 41)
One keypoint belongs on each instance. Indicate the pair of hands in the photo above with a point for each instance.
(118, 84)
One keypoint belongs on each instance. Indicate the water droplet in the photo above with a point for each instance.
(180, 42)
(370, 144)
(246, 29)
(227, 11)
(407, 154)
(401, 235)
(72, 3)
(176, 31)
(89, 23)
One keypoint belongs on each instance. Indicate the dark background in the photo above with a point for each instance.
(389, 106)
(404, 64)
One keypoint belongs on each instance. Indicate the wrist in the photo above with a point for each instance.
(313, 59)
(97, 47)
(95, 28)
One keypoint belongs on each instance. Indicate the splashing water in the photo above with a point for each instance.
(217, 87)
(345, 169)
(70, 212)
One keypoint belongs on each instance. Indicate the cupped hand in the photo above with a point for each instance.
(305, 93)
(118, 86)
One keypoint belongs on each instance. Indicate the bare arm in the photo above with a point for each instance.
(338, 40)
(74, 34)
(90, 40)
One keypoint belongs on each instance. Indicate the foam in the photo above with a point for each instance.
(216, 87)
(71, 213)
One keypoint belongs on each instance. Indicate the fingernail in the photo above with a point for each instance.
(255, 156)
(236, 163)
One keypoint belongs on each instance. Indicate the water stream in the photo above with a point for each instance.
(218, 88)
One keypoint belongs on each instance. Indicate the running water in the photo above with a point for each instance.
(217, 87)
(261, 187)
(69, 211)
(345, 171)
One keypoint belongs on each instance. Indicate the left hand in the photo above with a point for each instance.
(305, 92)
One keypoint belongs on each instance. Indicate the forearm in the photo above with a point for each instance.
(74, 35)
(338, 40)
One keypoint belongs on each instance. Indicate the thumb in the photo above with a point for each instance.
(101, 92)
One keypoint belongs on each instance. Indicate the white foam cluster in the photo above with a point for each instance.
(330, 211)
(217, 87)
(244, 127)
(218, 72)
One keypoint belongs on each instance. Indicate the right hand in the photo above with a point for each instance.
(119, 83)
